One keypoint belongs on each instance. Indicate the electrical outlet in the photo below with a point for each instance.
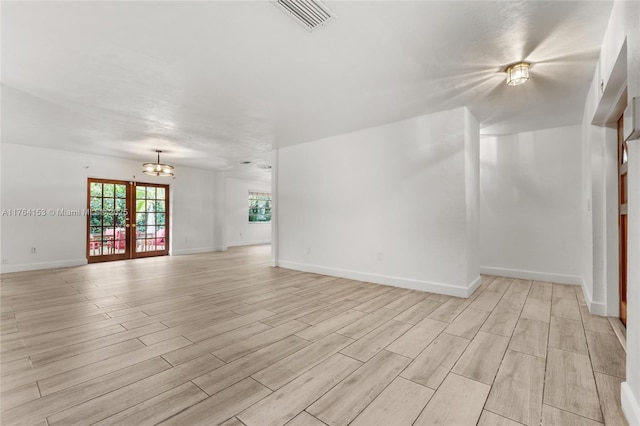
(34, 250)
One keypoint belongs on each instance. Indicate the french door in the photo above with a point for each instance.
(622, 219)
(126, 220)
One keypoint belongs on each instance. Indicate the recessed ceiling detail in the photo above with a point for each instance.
(310, 13)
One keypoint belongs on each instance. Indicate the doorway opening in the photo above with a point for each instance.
(126, 220)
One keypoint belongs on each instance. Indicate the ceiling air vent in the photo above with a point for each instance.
(309, 13)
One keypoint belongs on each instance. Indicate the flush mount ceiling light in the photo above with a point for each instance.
(517, 73)
(157, 168)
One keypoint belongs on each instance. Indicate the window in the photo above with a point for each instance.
(259, 207)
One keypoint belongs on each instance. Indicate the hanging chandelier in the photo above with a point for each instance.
(157, 168)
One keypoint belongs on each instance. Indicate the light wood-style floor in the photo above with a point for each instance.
(222, 338)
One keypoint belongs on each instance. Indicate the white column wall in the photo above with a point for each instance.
(472, 193)
(192, 211)
(220, 216)
(386, 204)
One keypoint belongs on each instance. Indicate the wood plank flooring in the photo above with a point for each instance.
(222, 338)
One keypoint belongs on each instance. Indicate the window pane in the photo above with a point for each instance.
(109, 205)
(259, 207)
(109, 190)
(96, 204)
(109, 235)
(160, 219)
(108, 219)
(120, 220)
(151, 192)
(151, 219)
(160, 206)
(141, 205)
(160, 193)
(140, 192)
(141, 219)
(121, 191)
(96, 220)
(121, 204)
(96, 189)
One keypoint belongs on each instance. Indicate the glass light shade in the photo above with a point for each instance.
(157, 168)
(518, 74)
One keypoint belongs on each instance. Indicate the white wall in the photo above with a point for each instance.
(630, 14)
(239, 230)
(631, 392)
(530, 186)
(38, 178)
(619, 64)
(386, 204)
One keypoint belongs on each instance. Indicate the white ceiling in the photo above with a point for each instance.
(220, 82)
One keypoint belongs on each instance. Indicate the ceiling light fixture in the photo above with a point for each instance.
(157, 168)
(517, 73)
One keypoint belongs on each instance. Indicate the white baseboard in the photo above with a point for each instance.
(474, 285)
(248, 243)
(447, 289)
(5, 269)
(532, 275)
(596, 308)
(630, 405)
(196, 250)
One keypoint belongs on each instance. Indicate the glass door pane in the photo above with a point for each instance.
(151, 220)
(107, 220)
